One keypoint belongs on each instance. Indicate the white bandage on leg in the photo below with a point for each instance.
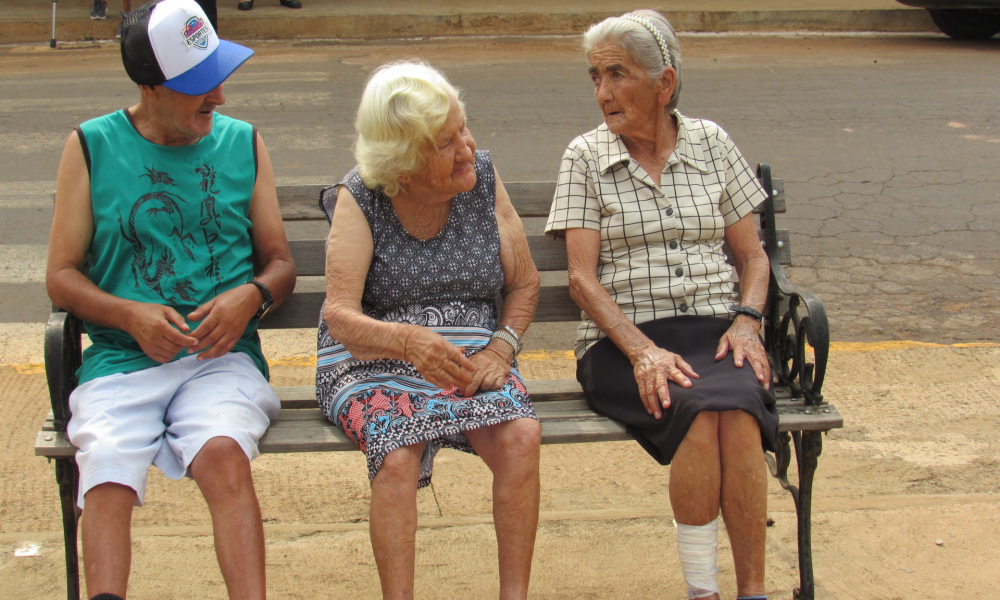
(698, 548)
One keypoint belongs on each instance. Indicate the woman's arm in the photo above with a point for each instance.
(348, 258)
(520, 296)
(753, 268)
(653, 366)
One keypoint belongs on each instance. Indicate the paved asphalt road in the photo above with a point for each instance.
(889, 146)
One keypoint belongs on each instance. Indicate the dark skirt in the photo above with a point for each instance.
(609, 384)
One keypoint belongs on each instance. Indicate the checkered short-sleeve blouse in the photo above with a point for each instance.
(661, 246)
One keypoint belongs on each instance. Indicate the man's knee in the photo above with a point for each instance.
(110, 496)
(221, 464)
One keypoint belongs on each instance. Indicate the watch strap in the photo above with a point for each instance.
(750, 312)
(510, 336)
(268, 299)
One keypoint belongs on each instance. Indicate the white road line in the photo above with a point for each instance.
(27, 194)
(23, 263)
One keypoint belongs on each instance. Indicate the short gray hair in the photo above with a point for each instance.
(640, 45)
(403, 108)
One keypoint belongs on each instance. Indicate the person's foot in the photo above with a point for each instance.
(121, 23)
(100, 10)
(245, 5)
(291, 3)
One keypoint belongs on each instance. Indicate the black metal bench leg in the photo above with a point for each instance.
(808, 446)
(68, 477)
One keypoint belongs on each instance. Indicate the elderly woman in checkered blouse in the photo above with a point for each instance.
(668, 345)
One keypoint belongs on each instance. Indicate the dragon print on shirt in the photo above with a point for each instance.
(144, 257)
(157, 267)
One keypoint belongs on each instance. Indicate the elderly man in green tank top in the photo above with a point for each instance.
(159, 209)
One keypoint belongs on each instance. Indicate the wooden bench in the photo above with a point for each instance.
(796, 337)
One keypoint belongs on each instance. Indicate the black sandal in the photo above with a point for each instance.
(291, 3)
(245, 5)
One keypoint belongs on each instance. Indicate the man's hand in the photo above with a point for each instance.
(159, 330)
(743, 339)
(223, 321)
(492, 366)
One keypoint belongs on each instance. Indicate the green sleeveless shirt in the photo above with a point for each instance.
(171, 227)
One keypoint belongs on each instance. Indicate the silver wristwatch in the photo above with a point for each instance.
(510, 336)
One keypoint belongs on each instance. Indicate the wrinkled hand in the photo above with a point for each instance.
(743, 339)
(159, 330)
(436, 359)
(223, 321)
(492, 368)
(654, 367)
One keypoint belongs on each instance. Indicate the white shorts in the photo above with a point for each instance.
(164, 415)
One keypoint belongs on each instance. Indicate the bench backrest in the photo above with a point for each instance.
(530, 199)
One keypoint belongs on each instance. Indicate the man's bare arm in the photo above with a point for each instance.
(157, 329)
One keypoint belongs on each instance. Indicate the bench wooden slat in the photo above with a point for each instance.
(540, 390)
(300, 202)
(548, 254)
(563, 422)
(530, 199)
(301, 310)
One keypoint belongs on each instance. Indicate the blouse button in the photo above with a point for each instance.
(670, 211)
(683, 307)
(679, 272)
(673, 245)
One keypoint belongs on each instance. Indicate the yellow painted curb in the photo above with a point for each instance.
(899, 345)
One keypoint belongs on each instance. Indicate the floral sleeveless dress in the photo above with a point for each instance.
(448, 283)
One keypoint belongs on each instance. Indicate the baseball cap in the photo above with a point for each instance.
(172, 43)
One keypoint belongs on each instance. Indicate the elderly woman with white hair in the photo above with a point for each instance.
(645, 202)
(413, 356)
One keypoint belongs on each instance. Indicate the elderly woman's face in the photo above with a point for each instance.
(450, 166)
(626, 96)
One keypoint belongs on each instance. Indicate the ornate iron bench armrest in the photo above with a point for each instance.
(62, 358)
(795, 320)
(789, 333)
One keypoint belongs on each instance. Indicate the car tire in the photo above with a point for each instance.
(966, 24)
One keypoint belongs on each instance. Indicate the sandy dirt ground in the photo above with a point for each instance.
(916, 463)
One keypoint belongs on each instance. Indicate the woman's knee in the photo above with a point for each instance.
(520, 440)
(703, 434)
(401, 466)
(739, 429)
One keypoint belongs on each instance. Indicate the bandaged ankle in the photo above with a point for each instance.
(697, 547)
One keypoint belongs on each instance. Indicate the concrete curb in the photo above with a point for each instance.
(401, 26)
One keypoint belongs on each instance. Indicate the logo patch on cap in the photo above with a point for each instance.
(196, 33)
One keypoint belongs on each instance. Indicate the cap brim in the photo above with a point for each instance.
(211, 72)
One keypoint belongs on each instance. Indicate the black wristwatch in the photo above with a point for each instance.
(750, 312)
(268, 299)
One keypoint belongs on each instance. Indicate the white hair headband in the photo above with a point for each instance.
(656, 34)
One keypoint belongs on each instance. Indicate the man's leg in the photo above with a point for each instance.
(695, 476)
(107, 539)
(511, 451)
(392, 520)
(744, 498)
(222, 471)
